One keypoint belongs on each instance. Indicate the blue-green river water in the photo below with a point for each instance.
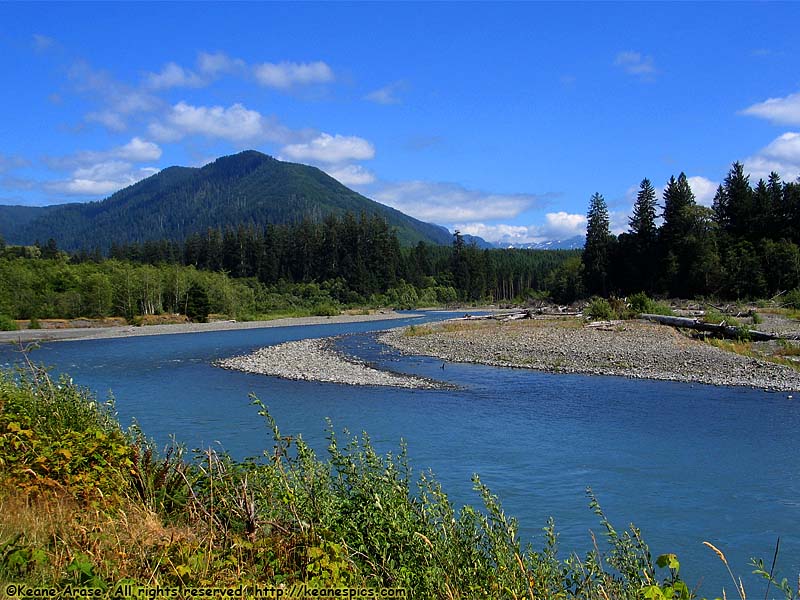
(685, 463)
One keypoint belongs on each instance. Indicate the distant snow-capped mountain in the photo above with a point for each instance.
(573, 243)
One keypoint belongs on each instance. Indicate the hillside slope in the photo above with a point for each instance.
(248, 188)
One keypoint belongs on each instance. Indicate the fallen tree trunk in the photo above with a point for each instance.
(727, 331)
(515, 316)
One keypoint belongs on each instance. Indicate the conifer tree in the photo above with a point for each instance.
(635, 272)
(596, 250)
(642, 224)
(733, 207)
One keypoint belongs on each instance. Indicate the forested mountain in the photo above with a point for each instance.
(15, 218)
(245, 189)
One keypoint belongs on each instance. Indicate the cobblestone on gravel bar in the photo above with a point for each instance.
(629, 349)
(318, 360)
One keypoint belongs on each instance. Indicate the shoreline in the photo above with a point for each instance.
(635, 350)
(98, 333)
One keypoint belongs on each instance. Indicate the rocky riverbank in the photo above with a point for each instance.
(629, 349)
(94, 333)
(318, 360)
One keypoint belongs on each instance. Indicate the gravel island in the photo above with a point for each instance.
(629, 349)
(318, 360)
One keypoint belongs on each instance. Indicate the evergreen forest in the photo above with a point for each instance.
(743, 247)
(250, 272)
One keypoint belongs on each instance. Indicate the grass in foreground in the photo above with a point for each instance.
(85, 503)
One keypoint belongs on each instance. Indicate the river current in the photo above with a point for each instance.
(684, 463)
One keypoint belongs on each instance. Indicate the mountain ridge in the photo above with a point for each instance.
(248, 188)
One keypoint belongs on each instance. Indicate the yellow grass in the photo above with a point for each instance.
(124, 541)
(456, 327)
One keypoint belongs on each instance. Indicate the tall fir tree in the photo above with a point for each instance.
(642, 224)
(679, 219)
(637, 247)
(596, 251)
(733, 204)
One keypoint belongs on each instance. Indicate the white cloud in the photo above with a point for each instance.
(328, 148)
(703, 189)
(109, 119)
(785, 148)
(216, 63)
(351, 174)
(782, 155)
(173, 75)
(118, 101)
(209, 65)
(286, 75)
(452, 203)
(561, 225)
(557, 226)
(136, 150)
(387, 94)
(635, 63)
(100, 179)
(235, 123)
(505, 234)
(784, 111)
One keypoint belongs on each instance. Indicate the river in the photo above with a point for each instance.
(685, 463)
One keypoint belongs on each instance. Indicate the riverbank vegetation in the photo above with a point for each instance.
(247, 273)
(746, 246)
(86, 503)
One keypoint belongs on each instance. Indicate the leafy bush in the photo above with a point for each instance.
(325, 309)
(791, 299)
(55, 435)
(715, 317)
(640, 303)
(600, 310)
(7, 323)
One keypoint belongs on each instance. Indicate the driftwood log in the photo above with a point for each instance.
(515, 316)
(722, 329)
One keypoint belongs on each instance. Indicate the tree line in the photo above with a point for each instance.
(744, 246)
(246, 272)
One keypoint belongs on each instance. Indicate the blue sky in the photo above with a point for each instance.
(498, 119)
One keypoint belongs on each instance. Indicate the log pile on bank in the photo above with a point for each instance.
(721, 329)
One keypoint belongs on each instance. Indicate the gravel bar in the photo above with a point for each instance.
(95, 333)
(318, 360)
(630, 349)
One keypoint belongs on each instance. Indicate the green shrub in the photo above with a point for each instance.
(619, 308)
(55, 435)
(791, 299)
(640, 303)
(325, 309)
(715, 317)
(600, 310)
(34, 323)
(7, 323)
